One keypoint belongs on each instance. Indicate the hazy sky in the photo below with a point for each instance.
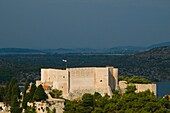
(83, 23)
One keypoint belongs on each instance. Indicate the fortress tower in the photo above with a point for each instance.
(74, 82)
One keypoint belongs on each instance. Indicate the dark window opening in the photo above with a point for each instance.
(100, 80)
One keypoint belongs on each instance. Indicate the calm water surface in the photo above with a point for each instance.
(163, 88)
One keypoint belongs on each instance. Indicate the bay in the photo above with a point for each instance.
(163, 88)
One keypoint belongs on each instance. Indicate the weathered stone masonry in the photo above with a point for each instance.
(74, 82)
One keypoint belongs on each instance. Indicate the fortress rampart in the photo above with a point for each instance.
(139, 87)
(74, 82)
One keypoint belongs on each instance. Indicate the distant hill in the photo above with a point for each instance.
(159, 45)
(4, 51)
(126, 49)
(135, 49)
(66, 51)
(114, 50)
(154, 64)
(59, 50)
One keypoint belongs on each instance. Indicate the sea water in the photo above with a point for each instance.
(163, 88)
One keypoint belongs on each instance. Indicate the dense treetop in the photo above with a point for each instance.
(130, 102)
(135, 79)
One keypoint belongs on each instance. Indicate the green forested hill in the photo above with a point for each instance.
(28, 66)
(153, 64)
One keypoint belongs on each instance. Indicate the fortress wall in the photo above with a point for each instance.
(122, 86)
(143, 87)
(115, 74)
(60, 80)
(111, 78)
(55, 74)
(44, 75)
(81, 78)
(101, 81)
(101, 78)
(57, 78)
(139, 87)
(38, 82)
(50, 75)
(77, 81)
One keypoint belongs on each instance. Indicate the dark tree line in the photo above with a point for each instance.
(11, 95)
(35, 94)
(135, 79)
(130, 102)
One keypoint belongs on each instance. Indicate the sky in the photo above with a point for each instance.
(83, 23)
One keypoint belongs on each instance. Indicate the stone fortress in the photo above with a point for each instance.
(74, 82)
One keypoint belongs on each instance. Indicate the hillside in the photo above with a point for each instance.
(28, 66)
(154, 64)
(159, 45)
(5, 51)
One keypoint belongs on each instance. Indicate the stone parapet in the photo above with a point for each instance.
(139, 87)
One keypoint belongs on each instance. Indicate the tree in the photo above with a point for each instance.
(11, 89)
(131, 102)
(11, 84)
(121, 78)
(31, 93)
(110, 108)
(16, 91)
(25, 100)
(71, 106)
(15, 105)
(26, 96)
(135, 79)
(25, 88)
(55, 93)
(97, 95)
(97, 110)
(40, 94)
(87, 99)
(2, 90)
(130, 89)
(5, 97)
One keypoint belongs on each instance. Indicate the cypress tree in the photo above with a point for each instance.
(9, 92)
(25, 100)
(40, 94)
(16, 91)
(11, 84)
(25, 88)
(5, 97)
(26, 96)
(32, 91)
(6, 88)
(15, 105)
(1, 93)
